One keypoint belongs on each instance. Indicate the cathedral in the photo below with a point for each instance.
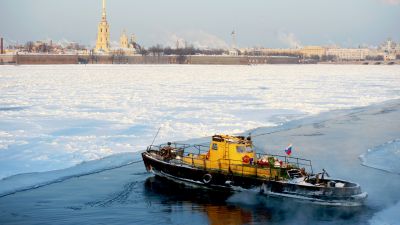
(103, 33)
(128, 46)
(123, 41)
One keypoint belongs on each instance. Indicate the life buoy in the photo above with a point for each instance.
(207, 178)
(246, 159)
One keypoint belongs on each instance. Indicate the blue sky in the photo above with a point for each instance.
(268, 23)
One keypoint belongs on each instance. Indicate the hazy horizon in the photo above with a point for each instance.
(207, 23)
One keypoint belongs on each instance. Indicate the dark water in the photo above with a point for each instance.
(129, 195)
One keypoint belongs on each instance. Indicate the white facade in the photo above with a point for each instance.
(398, 48)
(234, 52)
(348, 53)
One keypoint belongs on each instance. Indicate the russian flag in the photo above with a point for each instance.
(288, 150)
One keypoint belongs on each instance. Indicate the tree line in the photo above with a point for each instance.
(158, 50)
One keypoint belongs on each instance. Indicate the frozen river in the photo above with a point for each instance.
(54, 117)
(78, 126)
(93, 193)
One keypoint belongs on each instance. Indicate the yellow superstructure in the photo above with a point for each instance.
(232, 154)
(236, 149)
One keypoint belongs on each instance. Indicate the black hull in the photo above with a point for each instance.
(196, 176)
(219, 181)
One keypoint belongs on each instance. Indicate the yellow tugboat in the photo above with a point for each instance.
(231, 164)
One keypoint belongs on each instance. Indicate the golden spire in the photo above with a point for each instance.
(104, 10)
(103, 33)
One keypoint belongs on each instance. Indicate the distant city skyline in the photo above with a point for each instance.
(207, 23)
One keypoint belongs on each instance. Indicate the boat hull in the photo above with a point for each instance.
(217, 180)
(318, 195)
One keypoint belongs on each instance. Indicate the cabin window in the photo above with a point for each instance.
(249, 149)
(214, 146)
(240, 148)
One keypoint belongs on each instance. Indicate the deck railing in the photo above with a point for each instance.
(195, 156)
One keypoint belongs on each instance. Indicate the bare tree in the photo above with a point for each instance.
(29, 46)
(143, 51)
(43, 48)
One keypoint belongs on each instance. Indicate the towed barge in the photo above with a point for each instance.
(230, 164)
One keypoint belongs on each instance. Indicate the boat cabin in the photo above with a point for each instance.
(228, 154)
(235, 155)
(236, 149)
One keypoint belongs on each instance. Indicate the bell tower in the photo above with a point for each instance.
(123, 40)
(103, 33)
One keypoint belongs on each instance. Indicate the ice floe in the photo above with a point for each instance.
(27, 181)
(384, 157)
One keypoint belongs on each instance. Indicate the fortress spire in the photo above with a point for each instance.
(103, 33)
(104, 17)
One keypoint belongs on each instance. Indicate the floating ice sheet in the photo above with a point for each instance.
(384, 157)
(27, 181)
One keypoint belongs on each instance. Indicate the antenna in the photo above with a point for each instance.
(155, 136)
(104, 10)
